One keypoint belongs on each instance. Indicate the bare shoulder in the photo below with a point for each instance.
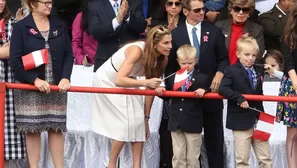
(133, 53)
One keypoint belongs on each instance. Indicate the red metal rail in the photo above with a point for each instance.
(3, 87)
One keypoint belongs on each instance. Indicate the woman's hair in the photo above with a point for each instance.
(250, 3)
(6, 13)
(161, 13)
(31, 3)
(277, 55)
(84, 20)
(290, 32)
(154, 63)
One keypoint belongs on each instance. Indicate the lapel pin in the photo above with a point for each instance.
(33, 31)
(280, 16)
(226, 34)
(55, 33)
(205, 38)
(193, 79)
(207, 32)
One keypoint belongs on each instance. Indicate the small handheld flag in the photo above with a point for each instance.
(180, 79)
(35, 59)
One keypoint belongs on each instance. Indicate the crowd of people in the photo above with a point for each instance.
(227, 47)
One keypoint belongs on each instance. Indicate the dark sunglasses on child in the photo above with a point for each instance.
(245, 10)
(198, 10)
(170, 3)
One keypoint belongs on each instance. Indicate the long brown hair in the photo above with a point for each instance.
(6, 13)
(290, 32)
(154, 63)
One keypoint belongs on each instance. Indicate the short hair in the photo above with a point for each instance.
(277, 55)
(186, 51)
(186, 4)
(248, 40)
(31, 3)
(232, 3)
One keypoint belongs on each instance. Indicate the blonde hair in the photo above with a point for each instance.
(186, 51)
(247, 40)
(154, 63)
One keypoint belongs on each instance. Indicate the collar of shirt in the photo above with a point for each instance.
(280, 9)
(198, 31)
(251, 68)
(112, 2)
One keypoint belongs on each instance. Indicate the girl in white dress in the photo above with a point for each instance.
(124, 118)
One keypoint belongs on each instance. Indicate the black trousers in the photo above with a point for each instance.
(214, 134)
(166, 151)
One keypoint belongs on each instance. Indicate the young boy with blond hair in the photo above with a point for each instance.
(245, 77)
(185, 114)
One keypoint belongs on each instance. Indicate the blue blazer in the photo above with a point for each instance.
(23, 42)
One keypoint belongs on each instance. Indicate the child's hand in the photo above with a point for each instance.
(269, 69)
(199, 92)
(244, 104)
(160, 91)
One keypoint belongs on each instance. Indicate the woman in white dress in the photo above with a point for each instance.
(124, 118)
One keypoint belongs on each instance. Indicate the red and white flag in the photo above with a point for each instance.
(35, 59)
(264, 127)
(2, 29)
(181, 77)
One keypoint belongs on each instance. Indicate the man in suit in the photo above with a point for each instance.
(113, 23)
(274, 22)
(213, 58)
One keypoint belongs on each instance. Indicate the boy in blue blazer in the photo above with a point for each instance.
(245, 78)
(185, 114)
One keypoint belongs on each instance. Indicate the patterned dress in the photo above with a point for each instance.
(15, 147)
(287, 112)
(38, 111)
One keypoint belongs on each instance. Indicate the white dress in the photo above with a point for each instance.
(118, 116)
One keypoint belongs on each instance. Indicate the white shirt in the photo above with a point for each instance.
(198, 32)
(280, 9)
(115, 23)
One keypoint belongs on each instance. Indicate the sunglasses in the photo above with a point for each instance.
(237, 9)
(170, 3)
(198, 10)
(47, 3)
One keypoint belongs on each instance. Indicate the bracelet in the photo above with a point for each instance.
(148, 117)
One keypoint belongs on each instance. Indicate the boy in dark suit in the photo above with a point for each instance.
(185, 114)
(245, 78)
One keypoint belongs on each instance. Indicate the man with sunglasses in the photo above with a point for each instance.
(212, 60)
(274, 22)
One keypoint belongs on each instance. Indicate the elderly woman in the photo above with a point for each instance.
(239, 26)
(43, 110)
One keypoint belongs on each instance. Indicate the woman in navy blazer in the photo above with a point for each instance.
(42, 110)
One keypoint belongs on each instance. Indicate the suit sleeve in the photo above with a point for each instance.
(226, 91)
(260, 40)
(137, 23)
(270, 26)
(221, 51)
(99, 27)
(68, 57)
(16, 53)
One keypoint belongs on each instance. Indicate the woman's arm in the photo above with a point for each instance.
(4, 52)
(148, 105)
(77, 39)
(132, 54)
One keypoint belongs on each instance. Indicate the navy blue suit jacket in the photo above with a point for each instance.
(235, 83)
(24, 42)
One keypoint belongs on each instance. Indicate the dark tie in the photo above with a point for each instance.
(251, 77)
(195, 41)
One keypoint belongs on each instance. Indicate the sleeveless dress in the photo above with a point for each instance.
(118, 116)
